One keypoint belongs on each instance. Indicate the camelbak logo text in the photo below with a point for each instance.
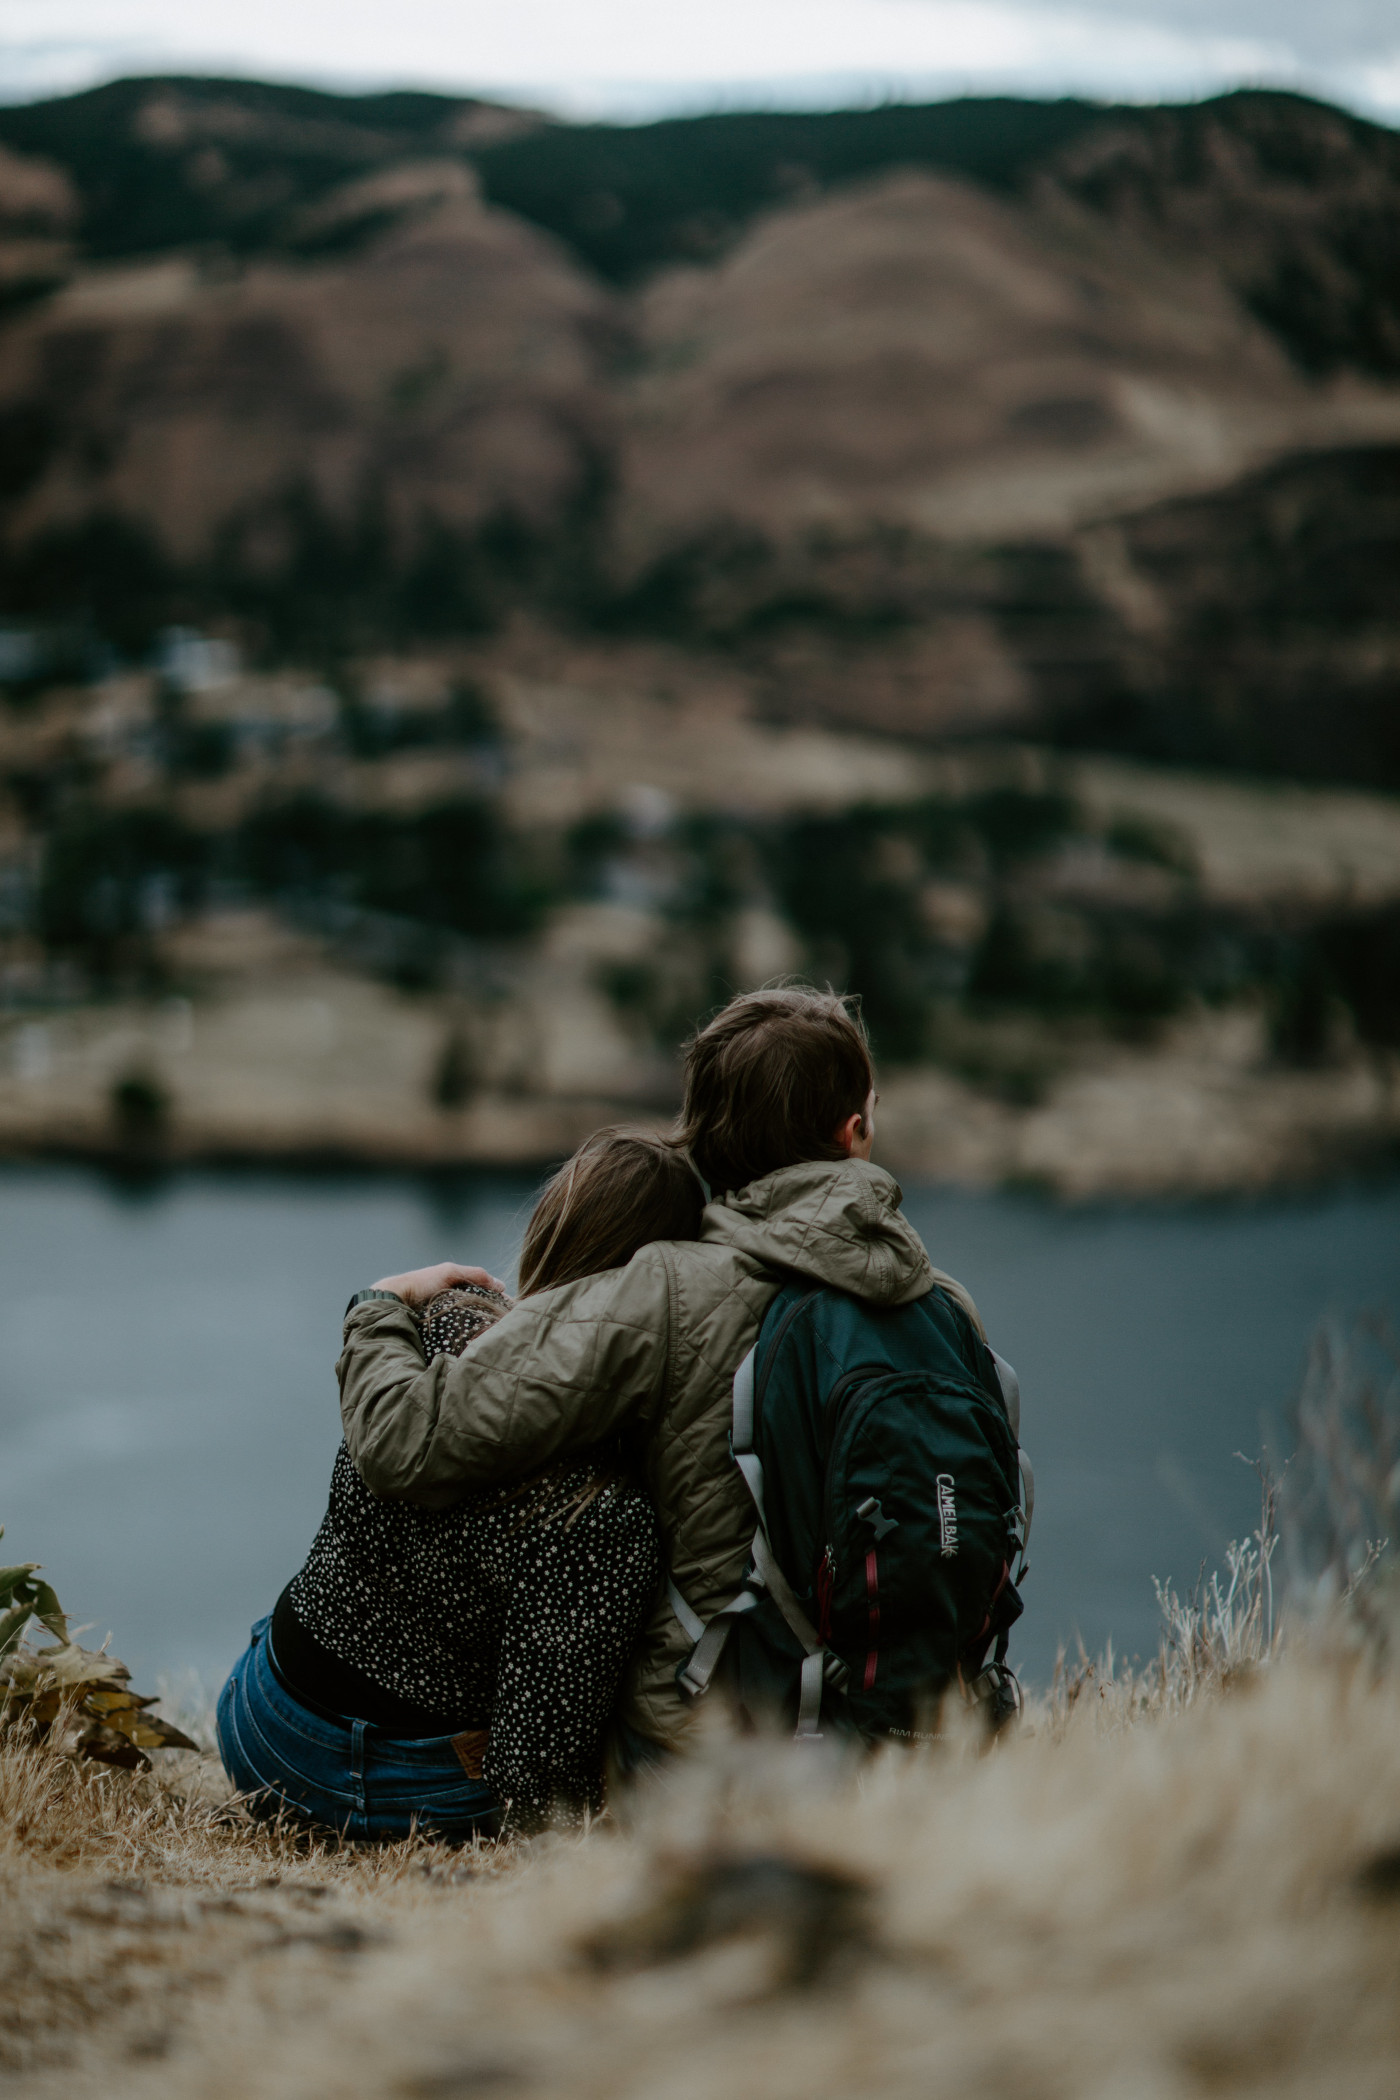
(947, 1515)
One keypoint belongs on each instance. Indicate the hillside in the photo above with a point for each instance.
(462, 908)
(1297, 198)
(1079, 422)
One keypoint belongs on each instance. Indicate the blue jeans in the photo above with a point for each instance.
(340, 1774)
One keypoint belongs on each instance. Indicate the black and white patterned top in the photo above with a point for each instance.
(515, 1611)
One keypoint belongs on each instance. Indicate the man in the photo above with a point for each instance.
(779, 1118)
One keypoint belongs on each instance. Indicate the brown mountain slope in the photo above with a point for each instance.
(1297, 205)
(878, 447)
(910, 351)
(1108, 453)
(918, 352)
(450, 368)
(39, 210)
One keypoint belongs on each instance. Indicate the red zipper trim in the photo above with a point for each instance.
(872, 1593)
(826, 1577)
(996, 1593)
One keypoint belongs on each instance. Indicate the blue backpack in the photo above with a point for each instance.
(881, 1448)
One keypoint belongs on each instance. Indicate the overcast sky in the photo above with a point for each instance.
(635, 58)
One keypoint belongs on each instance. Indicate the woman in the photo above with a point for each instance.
(453, 1670)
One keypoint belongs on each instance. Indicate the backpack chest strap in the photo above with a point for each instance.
(700, 1665)
(691, 1623)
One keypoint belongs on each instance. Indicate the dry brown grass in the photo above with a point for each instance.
(1171, 1884)
(129, 1900)
(1173, 1887)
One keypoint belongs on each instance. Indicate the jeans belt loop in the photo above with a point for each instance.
(357, 1762)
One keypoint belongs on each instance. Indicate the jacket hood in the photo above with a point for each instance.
(836, 1221)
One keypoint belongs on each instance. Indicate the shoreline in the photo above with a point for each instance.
(296, 1065)
(1353, 1165)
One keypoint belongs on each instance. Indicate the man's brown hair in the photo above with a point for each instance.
(770, 1080)
(621, 1190)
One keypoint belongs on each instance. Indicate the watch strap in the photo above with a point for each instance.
(363, 1297)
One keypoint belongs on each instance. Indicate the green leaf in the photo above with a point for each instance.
(13, 1579)
(12, 1625)
(22, 1594)
(49, 1612)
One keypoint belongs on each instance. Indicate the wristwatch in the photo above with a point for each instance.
(361, 1297)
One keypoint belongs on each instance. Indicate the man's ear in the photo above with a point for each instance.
(850, 1133)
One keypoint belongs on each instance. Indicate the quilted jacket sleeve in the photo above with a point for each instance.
(557, 1373)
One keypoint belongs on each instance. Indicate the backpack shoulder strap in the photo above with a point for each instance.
(818, 1664)
(741, 1448)
(1011, 1397)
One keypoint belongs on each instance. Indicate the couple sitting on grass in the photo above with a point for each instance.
(756, 1443)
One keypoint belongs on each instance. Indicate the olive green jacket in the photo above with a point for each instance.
(651, 1348)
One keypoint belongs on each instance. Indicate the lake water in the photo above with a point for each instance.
(168, 1404)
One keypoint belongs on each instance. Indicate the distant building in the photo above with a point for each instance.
(196, 663)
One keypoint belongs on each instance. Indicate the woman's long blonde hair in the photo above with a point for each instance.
(621, 1190)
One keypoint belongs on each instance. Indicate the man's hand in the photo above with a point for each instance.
(417, 1286)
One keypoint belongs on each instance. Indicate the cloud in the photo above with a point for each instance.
(635, 56)
(1333, 34)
